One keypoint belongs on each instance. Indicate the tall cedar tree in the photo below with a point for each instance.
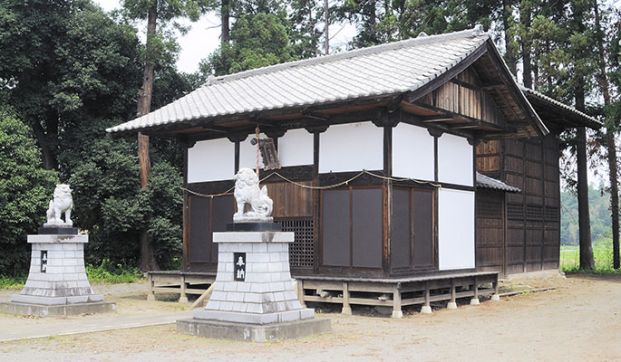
(68, 61)
(164, 11)
(611, 146)
(580, 56)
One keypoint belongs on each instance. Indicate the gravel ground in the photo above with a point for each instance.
(577, 321)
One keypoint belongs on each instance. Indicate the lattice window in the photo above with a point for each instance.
(489, 208)
(534, 212)
(302, 251)
(515, 212)
(551, 213)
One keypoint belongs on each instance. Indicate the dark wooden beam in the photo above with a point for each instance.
(435, 119)
(490, 87)
(215, 129)
(467, 122)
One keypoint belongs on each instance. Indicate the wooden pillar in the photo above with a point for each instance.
(495, 296)
(396, 303)
(151, 292)
(346, 306)
(475, 298)
(426, 308)
(301, 292)
(183, 298)
(452, 304)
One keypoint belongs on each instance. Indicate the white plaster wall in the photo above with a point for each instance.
(456, 229)
(412, 152)
(211, 160)
(351, 147)
(295, 148)
(248, 152)
(455, 160)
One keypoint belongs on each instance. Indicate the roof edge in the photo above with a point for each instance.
(472, 33)
(490, 183)
(590, 121)
(518, 91)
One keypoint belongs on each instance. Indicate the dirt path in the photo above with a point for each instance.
(579, 321)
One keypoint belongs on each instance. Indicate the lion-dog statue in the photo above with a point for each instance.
(247, 192)
(61, 203)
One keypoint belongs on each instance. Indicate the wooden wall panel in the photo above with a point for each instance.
(207, 216)
(423, 225)
(514, 147)
(200, 240)
(412, 237)
(465, 97)
(335, 225)
(291, 200)
(223, 209)
(488, 156)
(401, 233)
(533, 214)
(490, 241)
(367, 231)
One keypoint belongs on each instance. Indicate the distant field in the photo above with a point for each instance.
(602, 252)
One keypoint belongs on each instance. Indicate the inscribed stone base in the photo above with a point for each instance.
(253, 332)
(43, 300)
(57, 274)
(40, 310)
(254, 318)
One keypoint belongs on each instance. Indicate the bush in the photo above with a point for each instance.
(113, 208)
(107, 272)
(25, 191)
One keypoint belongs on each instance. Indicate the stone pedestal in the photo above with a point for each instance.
(254, 297)
(57, 282)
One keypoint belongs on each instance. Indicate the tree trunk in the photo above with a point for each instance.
(584, 219)
(527, 77)
(225, 18)
(48, 140)
(507, 15)
(326, 29)
(610, 140)
(147, 255)
(614, 193)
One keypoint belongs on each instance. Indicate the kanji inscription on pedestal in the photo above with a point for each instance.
(43, 261)
(239, 263)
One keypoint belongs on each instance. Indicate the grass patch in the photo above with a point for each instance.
(12, 282)
(104, 273)
(602, 253)
(108, 273)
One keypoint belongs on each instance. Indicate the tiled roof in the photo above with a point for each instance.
(590, 121)
(381, 70)
(486, 182)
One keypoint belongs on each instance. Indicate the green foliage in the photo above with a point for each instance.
(25, 188)
(111, 205)
(257, 40)
(69, 63)
(384, 21)
(602, 253)
(166, 10)
(12, 282)
(109, 273)
(599, 209)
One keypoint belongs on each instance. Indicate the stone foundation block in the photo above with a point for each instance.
(64, 310)
(253, 332)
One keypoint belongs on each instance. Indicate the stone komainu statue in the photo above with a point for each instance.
(61, 203)
(247, 191)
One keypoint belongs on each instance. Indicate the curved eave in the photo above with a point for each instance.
(560, 113)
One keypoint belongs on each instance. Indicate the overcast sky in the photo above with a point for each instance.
(204, 37)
